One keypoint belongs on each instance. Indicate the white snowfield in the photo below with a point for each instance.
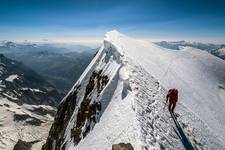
(12, 77)
(133, 101)
(33, 90)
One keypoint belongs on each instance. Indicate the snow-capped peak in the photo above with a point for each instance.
(113, 33)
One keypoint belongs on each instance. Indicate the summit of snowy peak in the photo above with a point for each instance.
(113, 32)
(112, 35)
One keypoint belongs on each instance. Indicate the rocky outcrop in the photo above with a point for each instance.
(122, 146)
(64, 113)
(87, 112)
(27, 119)
(43, 111)
(23, 145)
(87, 100)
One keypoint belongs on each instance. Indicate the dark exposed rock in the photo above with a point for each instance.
(23, 145)
(87, 109)
(7, 105)
(42, 111)
(64, 113)
(64, 146)
(49, 97)
(122, 146)
(28, 119)
(13, 100)
(34, 121)
(75, 133)
(20, 117)
(87, 112)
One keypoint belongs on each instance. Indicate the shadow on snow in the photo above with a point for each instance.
(184, 139)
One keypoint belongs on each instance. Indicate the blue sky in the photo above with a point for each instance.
(74, 20)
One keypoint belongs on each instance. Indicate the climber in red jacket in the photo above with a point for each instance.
(172, 96)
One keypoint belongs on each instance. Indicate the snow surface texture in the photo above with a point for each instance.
(133, 100)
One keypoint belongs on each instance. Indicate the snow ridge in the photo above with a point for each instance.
(198, 74)
(136, 76)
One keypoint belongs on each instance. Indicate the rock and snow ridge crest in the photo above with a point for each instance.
(119, 99)
(82, 107)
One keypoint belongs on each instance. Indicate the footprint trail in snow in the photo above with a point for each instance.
(160, 130)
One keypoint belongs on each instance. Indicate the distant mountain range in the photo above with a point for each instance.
(219, 52)
(59, 66)
(33, 80)
(18, 47)
(27, 104)
(22, 83)
(215, 49)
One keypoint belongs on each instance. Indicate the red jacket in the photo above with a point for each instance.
(172, 95)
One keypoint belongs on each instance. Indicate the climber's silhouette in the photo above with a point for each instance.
(172, 96)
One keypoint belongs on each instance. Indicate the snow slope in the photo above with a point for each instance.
(197, 74)
(23, 122)
(138, 74)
